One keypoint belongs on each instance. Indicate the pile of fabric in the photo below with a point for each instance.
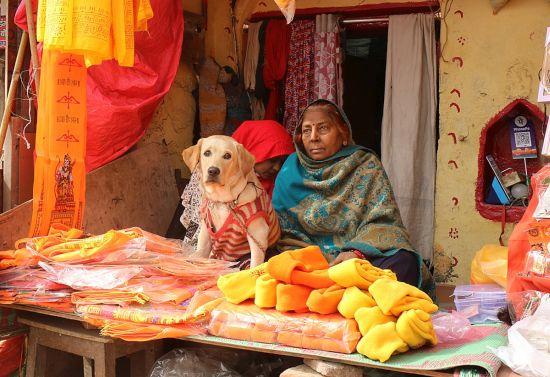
(131, 283)
(247, 322)
(392, 316)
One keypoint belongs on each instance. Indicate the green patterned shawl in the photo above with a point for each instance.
(344, 202)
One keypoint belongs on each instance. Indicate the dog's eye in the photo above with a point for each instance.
(207, 153)
(227, 156)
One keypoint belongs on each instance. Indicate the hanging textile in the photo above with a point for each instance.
(252, 55)
(60, 174)
(251, 62)
(408, 126)
(102, 31)
(299, 80)
(328, 79)
(212, 100)
(261, 94)
(274, 69)
(122, 100)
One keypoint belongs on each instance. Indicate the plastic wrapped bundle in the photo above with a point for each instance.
(247, 322)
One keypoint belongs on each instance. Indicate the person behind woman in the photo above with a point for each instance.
(268, 142)
(336, 195)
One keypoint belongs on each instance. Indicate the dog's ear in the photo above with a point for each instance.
(246, 160)
(191, 156)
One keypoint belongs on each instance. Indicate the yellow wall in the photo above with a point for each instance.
(502, 56)
(174, 119)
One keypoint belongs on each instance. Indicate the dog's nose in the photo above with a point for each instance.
(213, 171)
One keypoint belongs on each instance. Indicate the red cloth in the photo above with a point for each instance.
(276, 46)
(518, 243)
(265, 139)
(300, 72)
(122, 100)
(11, 355)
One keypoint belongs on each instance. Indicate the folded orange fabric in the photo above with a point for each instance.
(292, 298)
(329, 332)
(307, 259)
(326, 300)
(264, 332)
(290, 338)
(315, 279)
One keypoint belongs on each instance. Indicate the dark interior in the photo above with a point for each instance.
(364, 71)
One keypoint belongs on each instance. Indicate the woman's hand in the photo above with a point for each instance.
(343, 256)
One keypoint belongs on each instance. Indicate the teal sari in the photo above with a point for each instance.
(342, 203)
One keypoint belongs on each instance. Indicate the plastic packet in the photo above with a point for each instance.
(523, 304)
(185, 363)
(537, 262)
(90, 277)
(247, 322)
(490, 265)
(112, 246)
(162, 245)
(528, 349)
(453, 327)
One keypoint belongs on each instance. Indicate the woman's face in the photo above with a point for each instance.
(320, 135)
(268, 169)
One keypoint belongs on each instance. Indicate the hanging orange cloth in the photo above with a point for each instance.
(60, 176)
(99, 30)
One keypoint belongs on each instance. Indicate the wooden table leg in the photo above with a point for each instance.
(36, 357)
(105, 362)
(88, 367)
(142, 362)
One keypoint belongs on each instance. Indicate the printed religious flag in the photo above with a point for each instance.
(60, 175)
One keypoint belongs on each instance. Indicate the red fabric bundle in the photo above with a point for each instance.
(11, 355)
(277, 40)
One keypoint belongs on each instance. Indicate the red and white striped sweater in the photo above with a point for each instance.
(230, 241)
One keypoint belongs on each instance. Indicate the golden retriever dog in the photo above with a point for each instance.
(238, 222)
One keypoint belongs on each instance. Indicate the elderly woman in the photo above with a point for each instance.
(268, 142)
(335, 194)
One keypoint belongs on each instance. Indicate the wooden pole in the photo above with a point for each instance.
(12, 90)
(32, 38)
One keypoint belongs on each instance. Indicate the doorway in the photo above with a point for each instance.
(364, 72)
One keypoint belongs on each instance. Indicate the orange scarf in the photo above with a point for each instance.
(60, 175)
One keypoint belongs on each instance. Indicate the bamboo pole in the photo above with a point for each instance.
(32, 38)
(12, 91)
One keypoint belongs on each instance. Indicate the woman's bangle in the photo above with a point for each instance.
(358, 254)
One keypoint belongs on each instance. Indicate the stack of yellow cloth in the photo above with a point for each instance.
(286, 282)
(399, 321)
(392, 316)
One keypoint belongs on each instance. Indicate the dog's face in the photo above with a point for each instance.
(222, 161)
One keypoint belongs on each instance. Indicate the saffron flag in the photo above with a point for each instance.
(60, 174)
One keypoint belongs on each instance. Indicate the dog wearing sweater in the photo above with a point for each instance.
(238, 222)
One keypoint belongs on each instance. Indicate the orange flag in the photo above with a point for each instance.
(60, 175)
